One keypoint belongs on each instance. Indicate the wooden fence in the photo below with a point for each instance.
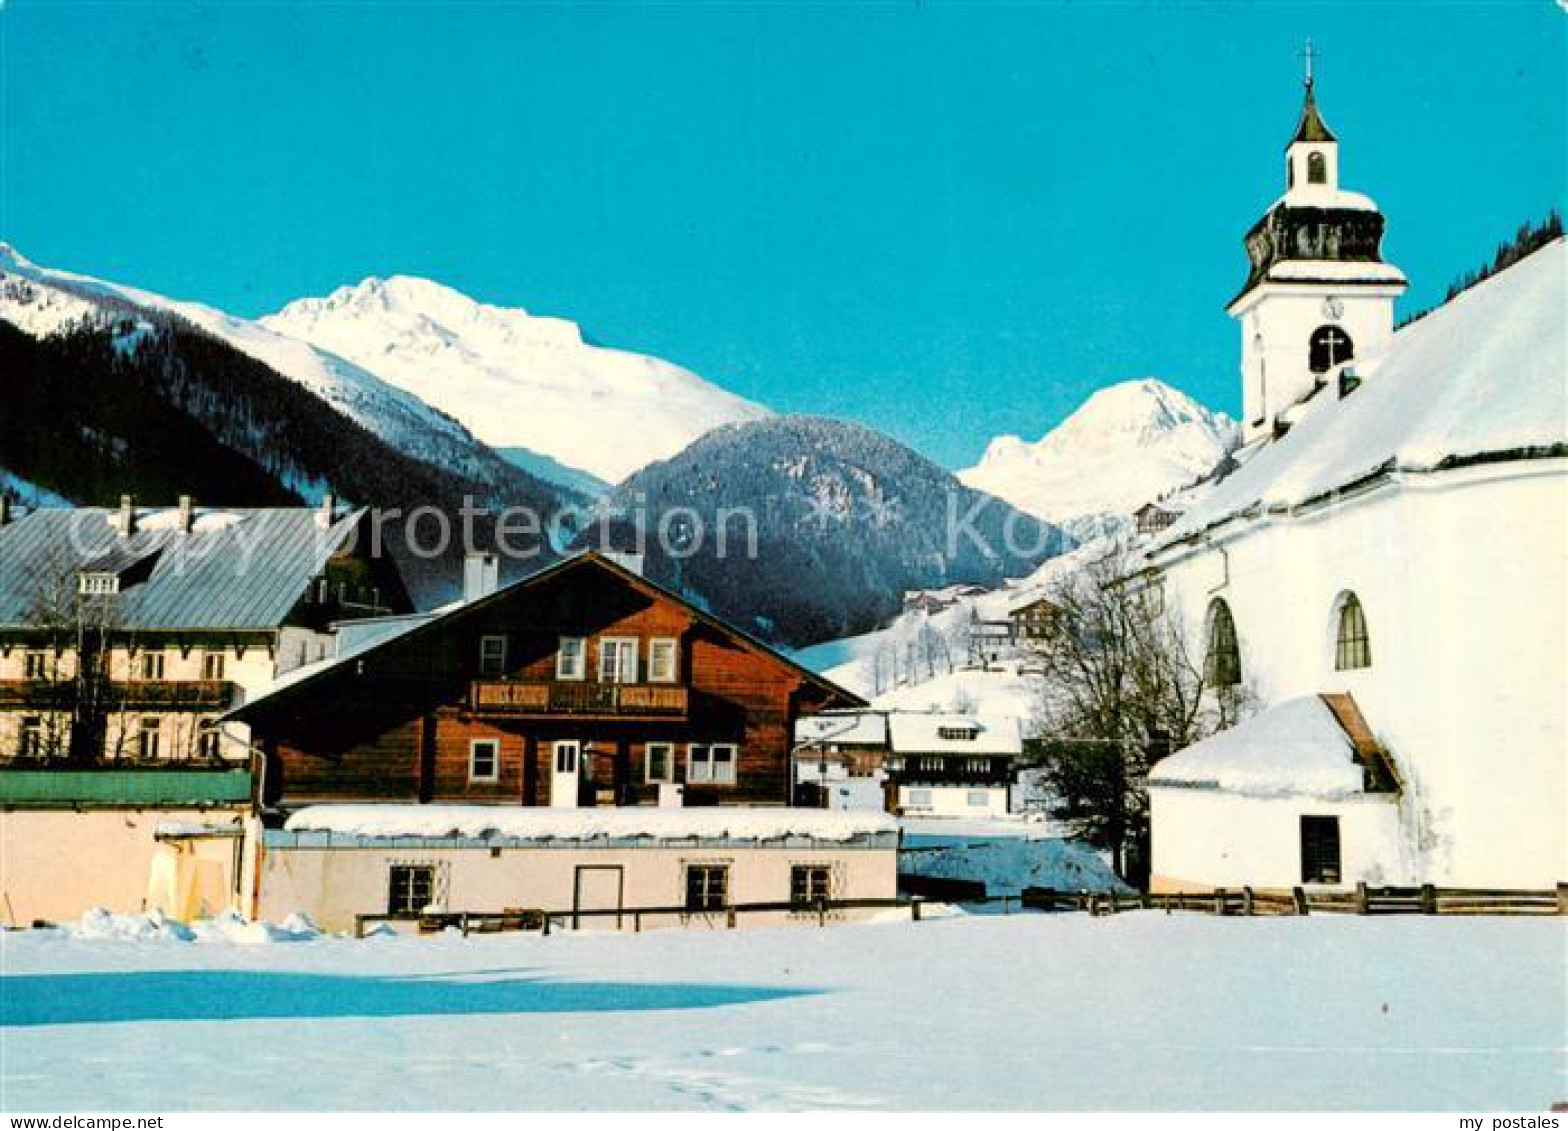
(1360, 900)
(1244, 901)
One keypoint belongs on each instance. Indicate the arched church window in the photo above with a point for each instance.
(1330, 346)
(1317, 169)
(1352, 649)
(1290, 172)
(1222, 660)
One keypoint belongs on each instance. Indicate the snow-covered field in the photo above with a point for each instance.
(1139, 1011)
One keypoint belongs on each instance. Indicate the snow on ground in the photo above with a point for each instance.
(1059, 1012)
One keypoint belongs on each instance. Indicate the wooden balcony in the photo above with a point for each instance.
(133, 695)
(579, 700)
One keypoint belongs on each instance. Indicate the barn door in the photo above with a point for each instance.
(598, 888)
(566, 774)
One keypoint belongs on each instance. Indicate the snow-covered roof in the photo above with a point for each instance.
(1482, 376)
(939, 733)
(1333, 270)
(489, 822)
(859, 728)
(1295, 748)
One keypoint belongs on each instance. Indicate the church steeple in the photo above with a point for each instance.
(1319, 293)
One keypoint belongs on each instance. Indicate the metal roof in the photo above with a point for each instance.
(1312, 127)
(234, 569)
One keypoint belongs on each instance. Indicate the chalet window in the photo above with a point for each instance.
(707, 886)
(484, 759)
(36, 665)
(1317, 169)
(957, 734)
(618, 659)
(712, 764)
(412, 888)
(149, 737)
(492, 656)
(31, 743)
(1320, 850)
(1352, 649)
(809, 884)
(977, 765)
(1222, 661)
(152, 664)
(659, 758)
(571, 659)
(920, 799)
(1328, 347)
(978, 798)
(209, 739)
(930, 765)
(213, 664)
(663, 659)
(98, 584)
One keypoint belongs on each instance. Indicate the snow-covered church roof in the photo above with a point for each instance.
(1298, 747)
(1480, 378)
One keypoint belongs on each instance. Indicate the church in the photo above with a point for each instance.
(1381, 573)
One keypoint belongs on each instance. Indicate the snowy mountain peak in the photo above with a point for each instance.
(1127, 444)
(517, 379)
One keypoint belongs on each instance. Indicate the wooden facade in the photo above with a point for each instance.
(411, 718)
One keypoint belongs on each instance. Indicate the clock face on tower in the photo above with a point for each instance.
(1333, 308)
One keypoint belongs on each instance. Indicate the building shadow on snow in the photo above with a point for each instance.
(236, 995)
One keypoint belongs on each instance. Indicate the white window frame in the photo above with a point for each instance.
(152, 665)
(618, 646)
(983, 794)
(575, 671)
(214, 665)
(671, 646)
(209, 739)
(486, 656)
(668, 778)
(561, 746)
(919, 799)
(35, 664)
(703, 768)
(494, 746)
(149, 738)
(30, 737)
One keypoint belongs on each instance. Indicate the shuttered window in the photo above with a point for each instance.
(707, 886)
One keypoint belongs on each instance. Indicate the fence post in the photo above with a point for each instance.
(1428, 899)
(1362, 904)
(636, 922)
(1219, 901)
(1299, 895)
(1246, 900)
(546, 929)
(729, 917)
(822, 912)
(914, 910)
(1562, 899)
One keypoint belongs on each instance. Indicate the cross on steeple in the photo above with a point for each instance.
(1307, 55)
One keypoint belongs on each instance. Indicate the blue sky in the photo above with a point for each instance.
(945, 221)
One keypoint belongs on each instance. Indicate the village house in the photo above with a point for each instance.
(1382, 572)
(125, 633)
(1151, 518)
(948, 764)
(1033, 618)
(597, 869)
(583, 685)
(840, 759)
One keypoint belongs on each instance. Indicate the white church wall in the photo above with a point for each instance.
(1208, 838)
(1462, 578)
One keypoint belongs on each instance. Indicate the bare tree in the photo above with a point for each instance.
(1124, 686)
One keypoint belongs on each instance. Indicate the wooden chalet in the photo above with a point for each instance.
(583, 685)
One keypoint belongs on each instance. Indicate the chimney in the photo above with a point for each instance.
(126, 522)
(481, 575)
(187, 513)
(325, 515)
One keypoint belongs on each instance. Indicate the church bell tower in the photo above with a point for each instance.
(1319, 294)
